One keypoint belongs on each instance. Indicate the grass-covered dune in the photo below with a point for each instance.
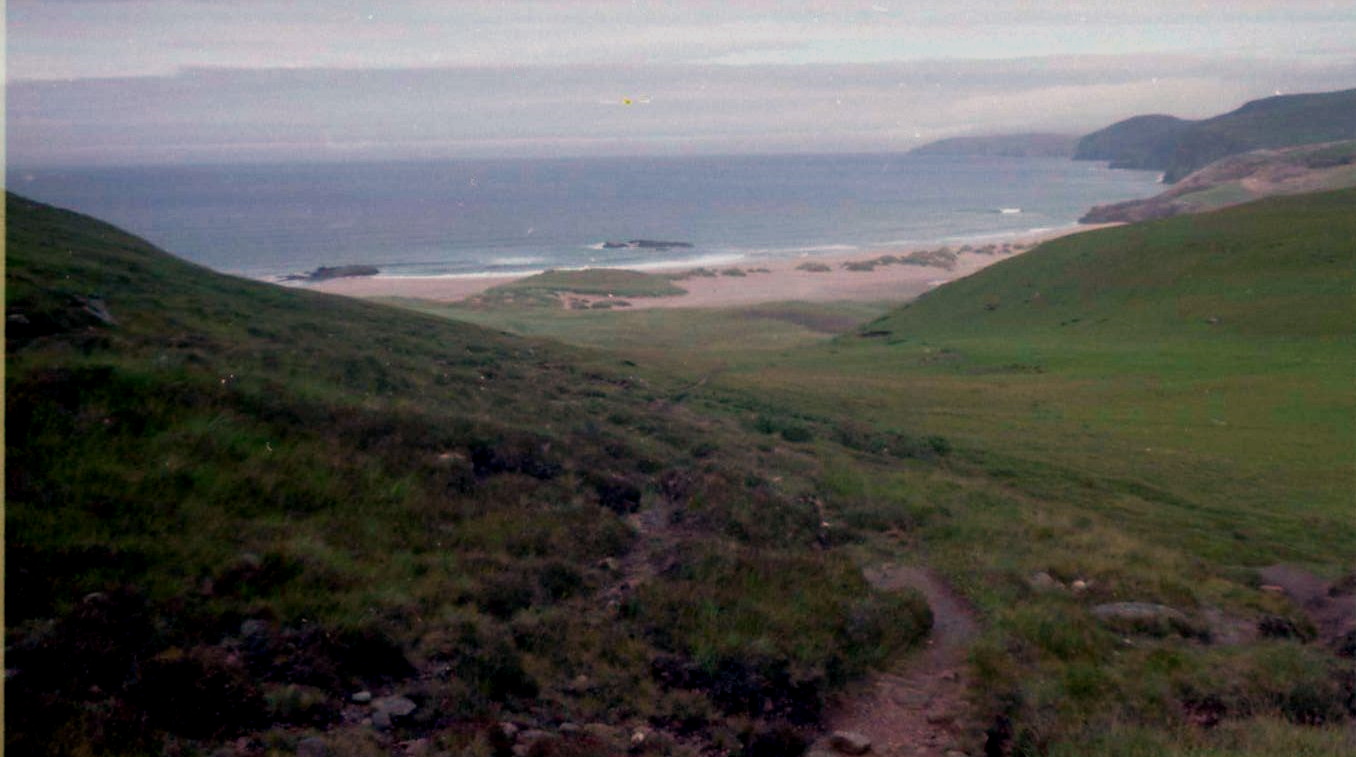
(232, 507)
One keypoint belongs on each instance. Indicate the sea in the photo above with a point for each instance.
(517, 216)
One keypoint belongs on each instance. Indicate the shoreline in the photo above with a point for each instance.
(765, 280)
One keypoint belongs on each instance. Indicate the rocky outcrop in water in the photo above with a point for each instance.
(645, 244)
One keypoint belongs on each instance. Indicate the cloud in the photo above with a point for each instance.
(99, 38)
(221, 114)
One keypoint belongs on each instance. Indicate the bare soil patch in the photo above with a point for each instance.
(919, 707)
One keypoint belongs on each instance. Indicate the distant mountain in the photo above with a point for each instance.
(1036, 145)
(1178, 147)
(1242, 178)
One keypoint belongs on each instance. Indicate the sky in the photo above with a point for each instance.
(119, 82)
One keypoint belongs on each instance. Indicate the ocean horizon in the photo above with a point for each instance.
(518, 216)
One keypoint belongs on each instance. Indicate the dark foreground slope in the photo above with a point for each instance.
(231, 507)
(1178, 147)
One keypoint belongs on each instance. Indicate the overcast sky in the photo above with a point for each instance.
(173, 81)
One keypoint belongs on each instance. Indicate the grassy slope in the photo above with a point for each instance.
(235, 505)
(1155, 409)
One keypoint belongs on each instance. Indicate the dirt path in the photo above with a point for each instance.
(1331, 607)
(917, 709)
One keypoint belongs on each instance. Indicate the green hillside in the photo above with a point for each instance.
(1179, 147)
(1155, 413)
(230, 507)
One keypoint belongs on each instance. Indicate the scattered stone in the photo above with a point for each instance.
(1080, 586)
(956, 753)
(386, 710)
(18, 319)
(324, 273)
(313, 747)
(570, 728)
(1144, 617)
(1272, 589)
(849, 742)
(1043, 581)
(951, 675)
(96, 307)
(509, 730)
(362, 697)
(638, 737)
(395, 705)
(417, 748)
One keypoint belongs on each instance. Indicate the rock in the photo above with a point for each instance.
(324, 273)
(645, 244)
(362, 697)
(395, 706)
(1272, 589)
(18, 319)
(508, 730)
(569, 728)
(956, 753)
(1080, 586)
(849, 742)
(1043, 581)
(381, 720)
(313, 747)
(95, 306)
(1144, 617)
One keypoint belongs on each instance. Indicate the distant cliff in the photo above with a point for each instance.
(1036, 145)
(1178, 147)
(1144, 142)
(1241, 178)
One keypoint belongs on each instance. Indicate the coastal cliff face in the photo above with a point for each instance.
(1179, 147)
(1241, 178)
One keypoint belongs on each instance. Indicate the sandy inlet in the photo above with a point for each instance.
(764, 280)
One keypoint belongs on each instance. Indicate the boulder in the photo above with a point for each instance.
(1043, 581)
(324, 273)
(313, 747)
(387, 710)
(849, 742)
(1143, 617)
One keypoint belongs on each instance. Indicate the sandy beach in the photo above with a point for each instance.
(765, 280)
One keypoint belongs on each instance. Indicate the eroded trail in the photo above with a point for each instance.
(919, 707)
